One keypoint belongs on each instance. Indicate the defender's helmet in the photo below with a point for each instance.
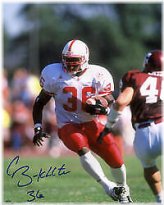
(75, 56)
(153, 61)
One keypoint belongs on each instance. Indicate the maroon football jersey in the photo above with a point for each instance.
(147, 100)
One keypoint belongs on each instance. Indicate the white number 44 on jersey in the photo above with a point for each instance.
(149, 89)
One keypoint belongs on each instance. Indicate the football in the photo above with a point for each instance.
(97, 100)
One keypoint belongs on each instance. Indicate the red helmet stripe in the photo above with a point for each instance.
(69, 49)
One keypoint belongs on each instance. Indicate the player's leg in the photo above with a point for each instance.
(153, 177)
(147, 152)
(93, 167)
(109, 151)
(76, 141)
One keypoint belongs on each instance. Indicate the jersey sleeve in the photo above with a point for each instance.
(128, 80)
(48, 78)
(107, 84)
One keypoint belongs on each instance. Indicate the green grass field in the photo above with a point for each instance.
(75, 186)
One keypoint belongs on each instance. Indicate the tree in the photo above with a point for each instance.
(118, 35)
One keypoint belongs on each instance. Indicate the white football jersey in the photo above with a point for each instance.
(70, 93)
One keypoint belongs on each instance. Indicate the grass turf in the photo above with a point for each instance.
(75, 186)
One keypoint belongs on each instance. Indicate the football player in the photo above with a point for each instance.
(72, 83)
(143, 91)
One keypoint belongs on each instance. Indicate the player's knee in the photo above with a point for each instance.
(152, 173)
(83, 151)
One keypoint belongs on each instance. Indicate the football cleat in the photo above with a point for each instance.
(121, 194)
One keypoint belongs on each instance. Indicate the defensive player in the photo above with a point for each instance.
(72, 83)
(143, 91)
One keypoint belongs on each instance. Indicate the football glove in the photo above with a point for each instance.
(97, 109)
(39, 135)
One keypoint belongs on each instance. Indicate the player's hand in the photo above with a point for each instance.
(105, 131)
(97, 109)
(97, 105)
(39, 135)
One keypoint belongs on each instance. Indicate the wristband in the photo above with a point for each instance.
(107, 110)
(37, 125)
(113, 115)
(37, 130)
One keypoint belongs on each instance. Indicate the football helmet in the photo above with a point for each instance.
(75, 56)
(153, 61)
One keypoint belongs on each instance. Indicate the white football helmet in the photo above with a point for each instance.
(75, 56)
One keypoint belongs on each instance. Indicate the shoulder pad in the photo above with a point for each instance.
(49, 75)
(130, 73)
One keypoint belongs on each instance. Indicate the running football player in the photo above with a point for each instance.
(71, 83)
(143, 91)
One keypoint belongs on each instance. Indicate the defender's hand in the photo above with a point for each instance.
(39, 135)
(105, 131)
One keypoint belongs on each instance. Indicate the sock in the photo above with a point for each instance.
(93, 168)
(159, 198)
(119, 175)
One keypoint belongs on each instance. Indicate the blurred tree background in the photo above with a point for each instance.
(118, 35)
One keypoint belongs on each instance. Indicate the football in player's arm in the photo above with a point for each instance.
(142, 90)
(82, 94)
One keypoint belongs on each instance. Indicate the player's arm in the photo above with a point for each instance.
(121, 102)
(117, 107)
(123, 99)
(104, 98)
(41, 100)
(99, 105)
